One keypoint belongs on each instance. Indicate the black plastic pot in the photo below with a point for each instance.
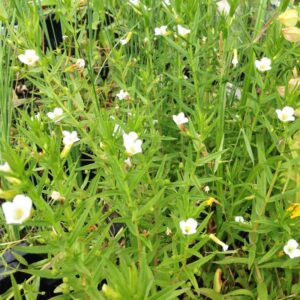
(9, 263)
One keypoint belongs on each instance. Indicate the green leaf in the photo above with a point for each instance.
(211, 294)
(150, 204)
(37, 249)
(262, 291)
(16, 289)
(240, 292)
(270, 254)
(248, 146)
(3, 12)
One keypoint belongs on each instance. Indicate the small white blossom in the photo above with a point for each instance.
(70, 137)
(206, 189)
(219, 242)
(235, 58)
(160, 31)
(127, 162)
(189, 226)
(225, 247)
(166, 2)
(17, 211)
(132, 144)
(37, 116)
(263, 65)
(55, 195)
(275, 2)
(168, 231)
(239, 219)
(291, 249)
(123, 41)
(183, 31)
(29, 57)
(286, 114)
(122, 95)
(55, 114)
(80, 63)
(126, 39)
(134, 2)
(5, 168)
(223, 7)
(180, 119)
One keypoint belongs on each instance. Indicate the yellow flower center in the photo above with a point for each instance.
(188, 228)
(18, 214)
(263, 67)
(284, 117)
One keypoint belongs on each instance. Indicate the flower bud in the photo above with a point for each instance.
(292, 34)
(281, 90)
(289, 18)
(218, 280)
(294, 83)
(110, 292)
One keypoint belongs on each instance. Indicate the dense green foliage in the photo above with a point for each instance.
(113, 232)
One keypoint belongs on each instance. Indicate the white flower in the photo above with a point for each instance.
(235, 58)
(131, 143)
(70, 137)
(275, 2)
(223, 7)
(37, 116)
(29, 57)
(55, 195)
(128, 162)
(126, 39)
(122, 95)
(134, 2)
(286, 114)
(80, 63)
(263, 65)
(168, 231)
(55, 114)
(5, 168)
(166, 2)
(17, 211)
(180, 119)
(291, 249)
(225, 247)
(189, 226)
(219, 242)
(183, 31)
(206, 189)
(160, 30)
(239, 219)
